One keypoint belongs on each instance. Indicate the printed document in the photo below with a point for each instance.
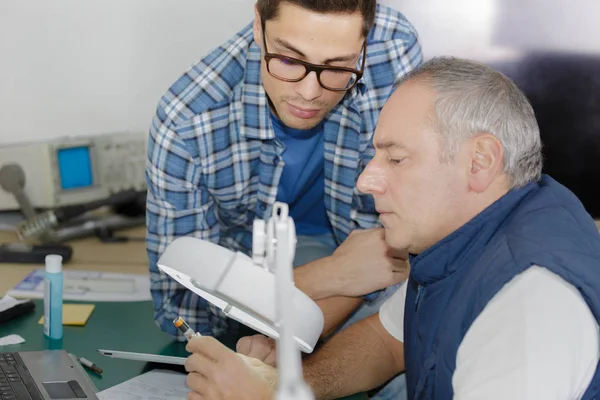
(154, 385)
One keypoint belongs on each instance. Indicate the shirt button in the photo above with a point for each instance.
(263, 206)
(275, 160)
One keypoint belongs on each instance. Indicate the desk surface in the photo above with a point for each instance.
(89, 254)
(114, 326)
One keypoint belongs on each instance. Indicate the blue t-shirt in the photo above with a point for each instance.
(302, 183)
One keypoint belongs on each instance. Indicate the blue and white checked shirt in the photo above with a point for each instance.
(214, 163)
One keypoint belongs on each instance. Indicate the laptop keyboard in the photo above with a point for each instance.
(16, 382)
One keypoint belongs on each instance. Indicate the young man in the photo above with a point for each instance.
(503, 298)
(284, 111)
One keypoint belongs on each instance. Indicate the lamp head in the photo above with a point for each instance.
(243, 290)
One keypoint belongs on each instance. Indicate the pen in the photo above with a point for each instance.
(185, 328)
(88, 364)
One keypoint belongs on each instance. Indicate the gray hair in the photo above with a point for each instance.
(473, 98)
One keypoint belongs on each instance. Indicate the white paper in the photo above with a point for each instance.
(11, 339)
(8, 302)
(153, 385)
(88, 286)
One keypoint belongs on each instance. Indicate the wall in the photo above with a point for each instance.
(84, 67)
(491, 30)
(74, 68)
(551, 49)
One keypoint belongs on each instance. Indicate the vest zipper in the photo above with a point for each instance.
(420, 291)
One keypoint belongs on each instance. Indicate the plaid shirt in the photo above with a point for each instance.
(214, 163)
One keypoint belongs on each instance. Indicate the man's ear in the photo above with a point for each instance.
(487, 161)
(257, 27)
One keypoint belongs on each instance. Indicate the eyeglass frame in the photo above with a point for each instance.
(310, 67)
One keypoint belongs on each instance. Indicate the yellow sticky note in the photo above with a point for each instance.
(74, 314)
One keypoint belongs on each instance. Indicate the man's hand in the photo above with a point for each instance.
(217, 373)
(259, 347)
(364, 263)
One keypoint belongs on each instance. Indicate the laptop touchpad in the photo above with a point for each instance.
(64, 390)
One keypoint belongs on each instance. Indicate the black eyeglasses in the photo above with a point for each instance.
(290, 69)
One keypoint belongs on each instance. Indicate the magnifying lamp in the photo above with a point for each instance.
(245, 288)
(258, 292)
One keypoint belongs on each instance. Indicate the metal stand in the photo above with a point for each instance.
(274, 243)
(90, 225)
(12, 180)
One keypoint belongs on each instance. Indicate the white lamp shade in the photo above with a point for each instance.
(244, 291)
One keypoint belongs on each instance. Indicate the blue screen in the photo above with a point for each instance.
(75, 167)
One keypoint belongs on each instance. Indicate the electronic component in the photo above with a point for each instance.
(72, 171)
(42, 223)
(185, 328)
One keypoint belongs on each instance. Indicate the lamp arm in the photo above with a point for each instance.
(289, 363)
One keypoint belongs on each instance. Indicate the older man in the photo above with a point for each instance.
(503, 298)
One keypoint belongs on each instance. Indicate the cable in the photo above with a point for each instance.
(44, 222)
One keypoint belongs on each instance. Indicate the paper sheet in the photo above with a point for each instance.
(8, 302)
(88, 286)
(74, 314)
(153, 385)
(11, 339)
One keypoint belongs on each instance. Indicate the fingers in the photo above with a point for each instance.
(257, 346)
(399, 265)
(261, 347)
(195, 396)
(397, 278)
(378, 233)
(267, 372)
(197, 383)
(243, 345)
(209, 346)
(398, 254)
(271, 358)
(217, 373)
(199, 363)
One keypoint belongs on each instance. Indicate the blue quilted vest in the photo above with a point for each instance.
(542, 223)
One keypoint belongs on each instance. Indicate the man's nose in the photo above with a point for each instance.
(309, 88)
(371, 180)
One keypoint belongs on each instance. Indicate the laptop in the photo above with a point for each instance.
(43, 375)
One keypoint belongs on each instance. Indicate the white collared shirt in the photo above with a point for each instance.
(536, 339)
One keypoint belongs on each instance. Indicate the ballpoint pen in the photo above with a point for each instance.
(185, 328)
(88, 364)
